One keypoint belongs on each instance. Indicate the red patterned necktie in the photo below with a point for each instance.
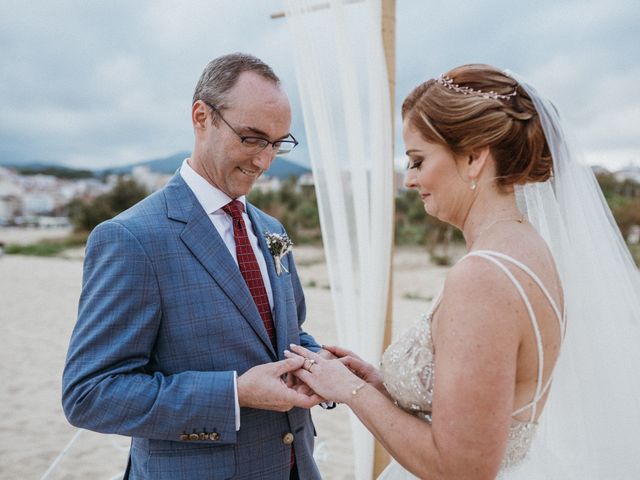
(251, 272)
(249, 266)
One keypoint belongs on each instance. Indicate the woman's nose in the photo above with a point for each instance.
(409, 179)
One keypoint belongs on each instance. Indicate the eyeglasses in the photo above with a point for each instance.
(257, 144)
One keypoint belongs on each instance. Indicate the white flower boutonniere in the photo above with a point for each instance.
(279, 245)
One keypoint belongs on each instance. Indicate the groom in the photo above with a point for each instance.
(183, 318)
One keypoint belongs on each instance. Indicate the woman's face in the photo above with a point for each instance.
(433, 172)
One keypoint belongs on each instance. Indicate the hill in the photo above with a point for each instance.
(280, 168)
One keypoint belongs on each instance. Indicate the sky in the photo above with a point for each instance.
(96, 84)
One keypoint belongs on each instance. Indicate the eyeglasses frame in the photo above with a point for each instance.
(243, 138)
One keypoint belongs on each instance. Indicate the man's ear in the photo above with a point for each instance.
(199, 115)
(477, 161)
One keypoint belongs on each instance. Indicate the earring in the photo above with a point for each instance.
(473, 185)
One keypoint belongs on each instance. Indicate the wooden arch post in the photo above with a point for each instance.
(388, 28)
(381, 457)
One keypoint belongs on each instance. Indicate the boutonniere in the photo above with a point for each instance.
(279, 245)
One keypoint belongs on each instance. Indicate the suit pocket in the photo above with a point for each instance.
(219, 462)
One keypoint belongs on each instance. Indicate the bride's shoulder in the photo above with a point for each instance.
(478, 280)
(472, 276)
(478, 301)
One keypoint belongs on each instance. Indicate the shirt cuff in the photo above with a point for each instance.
(235, 394)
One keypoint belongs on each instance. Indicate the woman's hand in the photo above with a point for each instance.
(330, 379)
(357, 365)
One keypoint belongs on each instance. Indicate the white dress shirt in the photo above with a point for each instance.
(212, 200)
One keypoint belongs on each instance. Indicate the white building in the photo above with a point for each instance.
(152, 181)
(38, 203)
(10, 201)
(632, 172)
(634, 235)
(267, 184)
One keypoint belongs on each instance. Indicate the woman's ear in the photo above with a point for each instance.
(477, 161)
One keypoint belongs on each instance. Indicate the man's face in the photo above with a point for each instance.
(253, 107)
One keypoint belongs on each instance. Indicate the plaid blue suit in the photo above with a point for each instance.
(164, 319)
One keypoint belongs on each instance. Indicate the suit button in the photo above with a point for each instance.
(184, 437)
(214, 436)
(287, 438)
(203, 436)
(194, 436)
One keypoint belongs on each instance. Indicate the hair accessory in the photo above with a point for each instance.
(449, 83)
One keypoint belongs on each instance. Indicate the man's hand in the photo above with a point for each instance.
(263, 387)
(299, 386)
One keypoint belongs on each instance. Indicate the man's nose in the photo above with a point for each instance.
(264, 158)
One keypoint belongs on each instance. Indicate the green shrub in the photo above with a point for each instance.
(48, 247)
(85, 215)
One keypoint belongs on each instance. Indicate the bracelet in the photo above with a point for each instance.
(358, 388)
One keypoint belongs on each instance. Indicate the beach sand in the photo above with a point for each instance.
(38, 303)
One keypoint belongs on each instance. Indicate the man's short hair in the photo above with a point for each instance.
(222, 73)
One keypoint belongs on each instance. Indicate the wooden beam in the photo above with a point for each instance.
(318, 6)
(381, 457)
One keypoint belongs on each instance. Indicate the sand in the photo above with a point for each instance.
(38, 302)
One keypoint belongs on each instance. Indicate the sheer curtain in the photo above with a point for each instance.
(344, 90)
(591, 422)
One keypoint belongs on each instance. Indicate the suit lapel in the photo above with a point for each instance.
(206, 245)
(277, 286)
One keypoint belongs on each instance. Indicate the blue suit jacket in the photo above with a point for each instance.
(165, 317)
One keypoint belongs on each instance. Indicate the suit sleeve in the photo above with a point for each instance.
(107, 386)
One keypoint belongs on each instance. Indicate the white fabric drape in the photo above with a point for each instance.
(344, 90)
(591, 422)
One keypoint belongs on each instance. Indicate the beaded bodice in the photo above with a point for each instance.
(408, 369)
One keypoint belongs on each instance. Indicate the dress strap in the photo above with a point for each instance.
(561, 317)
(494, 257)
(436, 300)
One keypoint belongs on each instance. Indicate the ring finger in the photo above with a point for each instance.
(308, 354)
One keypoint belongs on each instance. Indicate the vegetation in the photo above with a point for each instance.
(48, 248)
(86, 215)
(295, 206)
(60, 172)
(623, 199)
(414, 227)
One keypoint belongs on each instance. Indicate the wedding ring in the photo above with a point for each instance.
(312, 362)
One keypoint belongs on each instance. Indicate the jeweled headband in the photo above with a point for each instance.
(449, 83)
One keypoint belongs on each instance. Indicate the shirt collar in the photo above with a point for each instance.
(210, 198)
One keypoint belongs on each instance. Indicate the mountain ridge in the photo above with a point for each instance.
(280, 168)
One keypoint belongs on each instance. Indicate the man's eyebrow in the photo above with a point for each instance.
(259, 132)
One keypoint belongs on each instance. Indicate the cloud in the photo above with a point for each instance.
(581, 54)
(95, 84)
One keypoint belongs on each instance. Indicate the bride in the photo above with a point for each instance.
(485, 384)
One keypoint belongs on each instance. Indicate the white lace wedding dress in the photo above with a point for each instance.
(408, 369)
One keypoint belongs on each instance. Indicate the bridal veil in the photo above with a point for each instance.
(591, 423)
